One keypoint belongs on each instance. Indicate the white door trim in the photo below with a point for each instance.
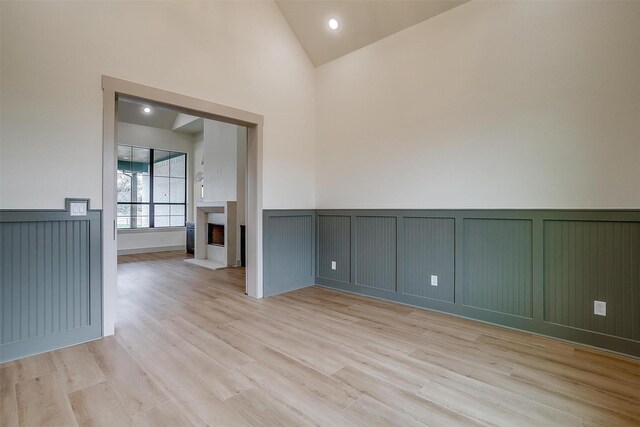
(112, 88)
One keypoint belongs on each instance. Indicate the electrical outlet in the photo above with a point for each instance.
(434, 280)
(333, 265)
(600, 308)
(78, 208)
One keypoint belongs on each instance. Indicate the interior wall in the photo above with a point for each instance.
(223, 148)
(155, 240)
(220, 151)
(521, 104)
(241, 185)
(53, 55)
(198, 166)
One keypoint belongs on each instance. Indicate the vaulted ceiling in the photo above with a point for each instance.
(361, 22)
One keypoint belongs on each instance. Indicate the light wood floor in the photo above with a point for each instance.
(191, 349)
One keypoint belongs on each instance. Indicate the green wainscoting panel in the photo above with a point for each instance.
(498, 270)
(587, 261)
(334, 246)
(51, 281)
(376, 252)
(533, 270)
(288, 250)
(428, 249)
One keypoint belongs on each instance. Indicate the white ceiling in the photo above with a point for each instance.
(131, 111)
(361, 22)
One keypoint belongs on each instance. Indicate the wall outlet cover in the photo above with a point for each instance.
(333, 265)
(434, 280)
(600, 308)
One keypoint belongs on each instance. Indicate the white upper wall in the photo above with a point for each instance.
(53, 54)
(491, 104)
(220, 161)
(508, 104)
(150, 137)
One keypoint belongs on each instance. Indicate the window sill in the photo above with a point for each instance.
(149, 230)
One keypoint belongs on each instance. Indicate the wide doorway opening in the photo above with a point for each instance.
(181, 186)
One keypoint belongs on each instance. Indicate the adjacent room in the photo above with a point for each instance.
(319, 212)
(180, 186)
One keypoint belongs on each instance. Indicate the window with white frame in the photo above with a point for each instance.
(152, 188)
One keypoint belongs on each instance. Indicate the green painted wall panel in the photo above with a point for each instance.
(593, 260)
(288, 250)
(334, 246)
(427, 248)
(376, 252)
(535, 270)
(51, 281)
(28, 254)
(498, 265)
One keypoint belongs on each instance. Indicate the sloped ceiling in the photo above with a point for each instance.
(361, 22)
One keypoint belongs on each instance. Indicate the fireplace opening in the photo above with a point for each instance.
(216, 235)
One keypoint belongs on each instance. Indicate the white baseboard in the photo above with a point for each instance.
(152, 249)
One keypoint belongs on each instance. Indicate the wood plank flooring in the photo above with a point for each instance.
(191, 349)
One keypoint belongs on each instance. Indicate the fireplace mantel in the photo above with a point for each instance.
(209, 206)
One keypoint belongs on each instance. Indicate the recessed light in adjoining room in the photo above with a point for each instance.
(334, 24)
(147, 110)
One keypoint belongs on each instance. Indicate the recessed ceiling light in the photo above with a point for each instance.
(146, 110)
(334, 24)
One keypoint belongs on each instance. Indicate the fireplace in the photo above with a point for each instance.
(215, 236)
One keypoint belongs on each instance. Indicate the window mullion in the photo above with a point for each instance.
(152, 184)
(133, 213)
